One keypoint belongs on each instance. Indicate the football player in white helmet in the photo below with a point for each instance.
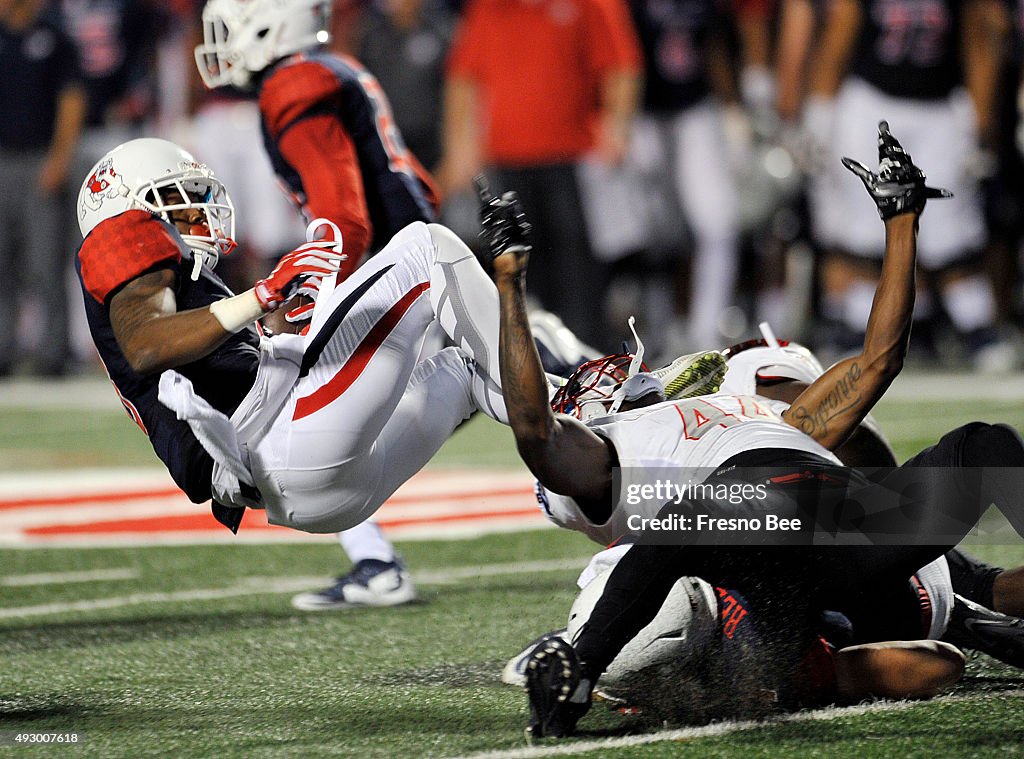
(317, 428)
(668, 669)
(159, 177)
(698, 657)
(242, 38)
(716, 434)
(333, 143)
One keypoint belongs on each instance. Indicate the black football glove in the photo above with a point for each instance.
(899, 186)
(503, 225)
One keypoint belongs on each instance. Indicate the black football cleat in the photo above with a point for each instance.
(559, 696)
(998, 635)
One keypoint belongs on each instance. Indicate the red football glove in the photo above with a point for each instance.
(314, 259)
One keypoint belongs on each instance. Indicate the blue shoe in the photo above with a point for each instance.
(371, 583)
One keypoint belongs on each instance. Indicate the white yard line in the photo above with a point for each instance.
(92, 393)
(59, 578)
(274, 585)
(691, 733)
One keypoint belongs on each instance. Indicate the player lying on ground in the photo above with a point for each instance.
(324, 426)
(692, 662)
(775, 375)
(969, 590)
(719, 433)
(674, 669)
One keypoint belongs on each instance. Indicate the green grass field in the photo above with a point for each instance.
(196, 652)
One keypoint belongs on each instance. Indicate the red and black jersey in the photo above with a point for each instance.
(119, 250)
(910, 48)
(328, 129)
(674, 35)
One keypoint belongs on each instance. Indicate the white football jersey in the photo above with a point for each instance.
(679, 441)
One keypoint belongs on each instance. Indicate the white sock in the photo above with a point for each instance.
(366, 541)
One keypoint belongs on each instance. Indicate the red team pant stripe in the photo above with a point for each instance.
(352, 368)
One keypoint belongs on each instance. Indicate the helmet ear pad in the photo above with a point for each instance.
(639, 390)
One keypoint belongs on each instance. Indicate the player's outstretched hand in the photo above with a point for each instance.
(503, 227)
(899, 186)
(313, 259)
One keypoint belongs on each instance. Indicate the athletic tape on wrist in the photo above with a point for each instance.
(237, 312)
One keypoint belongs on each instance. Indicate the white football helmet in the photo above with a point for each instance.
(675, 640)
(243, 37)
(142, 174)
(767, 359)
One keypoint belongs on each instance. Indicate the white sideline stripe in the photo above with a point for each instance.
(440, 531)
(95, 394)
(274, 585)
(55, 578)
(705, 731)
(57, 483)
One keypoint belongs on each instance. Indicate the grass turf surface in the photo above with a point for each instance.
(244, 675)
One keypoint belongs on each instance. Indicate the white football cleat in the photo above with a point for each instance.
(691, 375)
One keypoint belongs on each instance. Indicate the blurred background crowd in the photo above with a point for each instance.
(679, 159)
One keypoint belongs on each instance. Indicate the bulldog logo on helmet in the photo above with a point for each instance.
(103, 183)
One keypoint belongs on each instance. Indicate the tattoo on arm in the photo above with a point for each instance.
(845, 395)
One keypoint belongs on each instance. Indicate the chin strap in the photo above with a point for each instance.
(768, 335)
(634, 367)
(198, 258)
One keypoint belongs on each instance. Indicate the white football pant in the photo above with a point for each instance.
(363, 416)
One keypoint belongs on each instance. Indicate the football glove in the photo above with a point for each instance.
(313, 259)
(899, 186)
(503, 225)
(309, 290)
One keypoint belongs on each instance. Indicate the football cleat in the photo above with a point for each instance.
(692, 375)
(371, 583)
(998, 635)
(559, 695)
(514, 672)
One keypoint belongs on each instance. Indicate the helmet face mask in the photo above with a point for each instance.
(242, 38)
(194, 187)
(159, 177)
(590, 390)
